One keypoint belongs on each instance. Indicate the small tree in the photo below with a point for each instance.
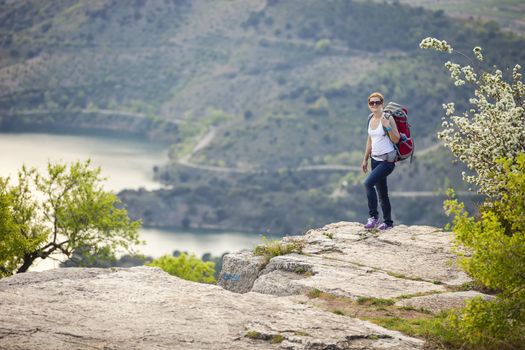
(490, 140)
(493, 128)
(496, 246)
(187, 267)
(12, 242)
(63, 211)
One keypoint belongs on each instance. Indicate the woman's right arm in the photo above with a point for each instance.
(368, 151)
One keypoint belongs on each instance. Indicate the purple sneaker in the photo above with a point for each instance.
(371, 223)
(384, 227)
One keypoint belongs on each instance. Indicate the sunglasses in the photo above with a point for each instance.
(375, 103)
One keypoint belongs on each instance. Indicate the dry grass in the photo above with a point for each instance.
(413, 322)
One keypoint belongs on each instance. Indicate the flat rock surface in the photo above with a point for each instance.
(419, 252)
(335, 277)
(259, 303)
(346, 260)
(145, 308)
(439, 302)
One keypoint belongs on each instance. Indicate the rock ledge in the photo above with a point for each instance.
(145, 308)
(258, 304)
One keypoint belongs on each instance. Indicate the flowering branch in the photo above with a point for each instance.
(493, 128)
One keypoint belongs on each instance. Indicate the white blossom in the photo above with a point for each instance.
(433, 43)
(449, 108)
(469, 74)
(492, 128)
(477, 53)
(516, 72)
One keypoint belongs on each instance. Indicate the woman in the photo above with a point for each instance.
(382, 131)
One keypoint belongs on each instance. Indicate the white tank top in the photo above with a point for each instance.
(381, 143)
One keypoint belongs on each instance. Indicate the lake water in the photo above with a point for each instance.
(127, 164)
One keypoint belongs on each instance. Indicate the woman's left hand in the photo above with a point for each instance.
(385, 122)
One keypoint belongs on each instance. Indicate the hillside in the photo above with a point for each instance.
(508, 14)
(263, 103)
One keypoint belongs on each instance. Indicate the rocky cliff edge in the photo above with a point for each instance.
(258, 304)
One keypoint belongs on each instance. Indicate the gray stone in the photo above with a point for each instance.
(145, 308)
(337, 277)
(346, 260)
(418, 252)
(280, 283)
(444, 301)
(240, 271)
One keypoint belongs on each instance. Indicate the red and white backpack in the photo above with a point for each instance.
(405, 146)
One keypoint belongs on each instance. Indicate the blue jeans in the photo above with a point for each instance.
(377, 178)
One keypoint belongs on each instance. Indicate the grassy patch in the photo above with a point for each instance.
(303, 334)
(422, 294)
(473, 285)
(253, 335)
(303, 270)
(410, 321)
(375, 301)
(400, 275)
(270, 249)
(411, 308)
(430, 328)
(276, 339)
(313, 293)
(329, 235)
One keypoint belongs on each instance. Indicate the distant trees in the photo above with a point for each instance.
(187, 267)
(320, 107)
(322, 45)
(63, 211)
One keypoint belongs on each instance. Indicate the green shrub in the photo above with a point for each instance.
(491, 245)
(187, 267)
(495, 242)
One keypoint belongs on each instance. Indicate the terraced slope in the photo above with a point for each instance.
(238, 85)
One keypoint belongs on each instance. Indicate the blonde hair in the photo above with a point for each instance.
(376, 94)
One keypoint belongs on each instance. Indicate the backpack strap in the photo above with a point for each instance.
(368, 124)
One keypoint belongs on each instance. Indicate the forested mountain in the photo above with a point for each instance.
(509, 14)
(262, 102)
